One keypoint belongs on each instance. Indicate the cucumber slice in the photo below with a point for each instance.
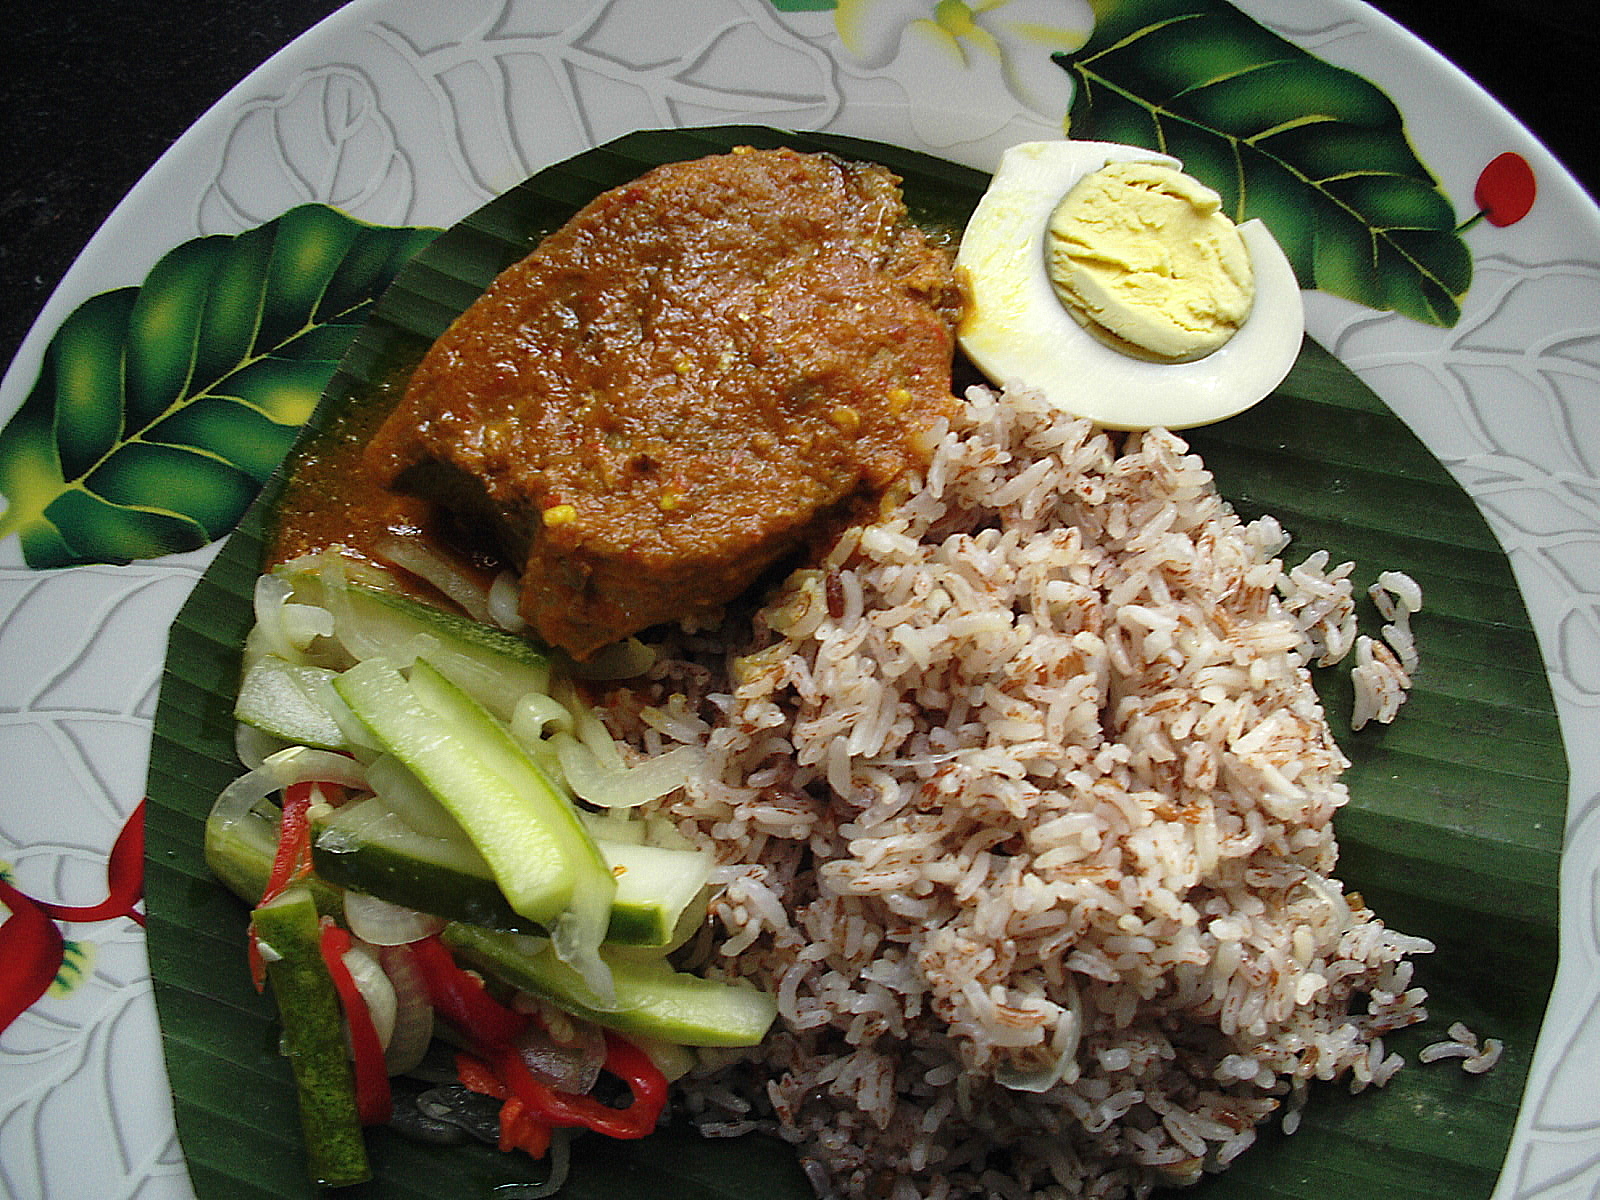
(240, 852)
(577, 932)
(281, 698)
(288, 931)
(494, 667)
(661, 894)
(652, 1000)
(516, 819)
(367, 847)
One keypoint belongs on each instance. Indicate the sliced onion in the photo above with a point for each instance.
(588, 757)
(544, 757)
(352, 635)
(622, 786)
(252, 745)
(559, 1158)
(305, 623)
(413, 1016)
(576, 943)
(303, 764)
(1062, 1065)
(376, 990)
(567, 1067)
(285, 627)
(271, 594)
(428, 562)
(592, 732)
(380, 923)
(239, 800)
(627, 659)
(296, 764)
(504, 593)
(535, 714)
(458, 1107)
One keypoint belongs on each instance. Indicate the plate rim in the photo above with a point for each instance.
(91, 272)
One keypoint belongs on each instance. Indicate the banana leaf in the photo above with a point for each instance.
(1453, 831)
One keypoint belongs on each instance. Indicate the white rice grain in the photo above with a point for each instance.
(1027, 784)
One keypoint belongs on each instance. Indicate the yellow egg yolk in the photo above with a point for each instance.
(1142, 256)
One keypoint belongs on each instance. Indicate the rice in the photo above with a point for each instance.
(1022, 799)
(1462, 1043)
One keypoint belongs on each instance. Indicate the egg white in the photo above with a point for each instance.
(1018, 333)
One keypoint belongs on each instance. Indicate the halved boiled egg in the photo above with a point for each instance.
(1111, 282)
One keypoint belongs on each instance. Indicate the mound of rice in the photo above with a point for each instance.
(1022, 800)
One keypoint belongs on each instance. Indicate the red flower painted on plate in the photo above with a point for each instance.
(1506, 189)
(32, 948)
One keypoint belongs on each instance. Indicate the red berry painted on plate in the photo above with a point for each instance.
(1506, 189)
(31, 950)
(31, 946)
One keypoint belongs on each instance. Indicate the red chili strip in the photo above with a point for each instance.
(290, 863)
(373, 1099)
(476, 1076)
(500, 1071)
(31, 949)
(519, 1128)
(460, 997)
(644, 1079)
(565, 1109)
(544, 1102)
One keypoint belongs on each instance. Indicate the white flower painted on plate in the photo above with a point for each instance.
(983, 53)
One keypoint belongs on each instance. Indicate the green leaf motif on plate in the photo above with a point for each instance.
(161, 409)
(1317, 152)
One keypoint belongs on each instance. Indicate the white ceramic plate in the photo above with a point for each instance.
(409, 112)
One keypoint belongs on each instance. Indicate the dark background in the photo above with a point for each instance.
(93, 91)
